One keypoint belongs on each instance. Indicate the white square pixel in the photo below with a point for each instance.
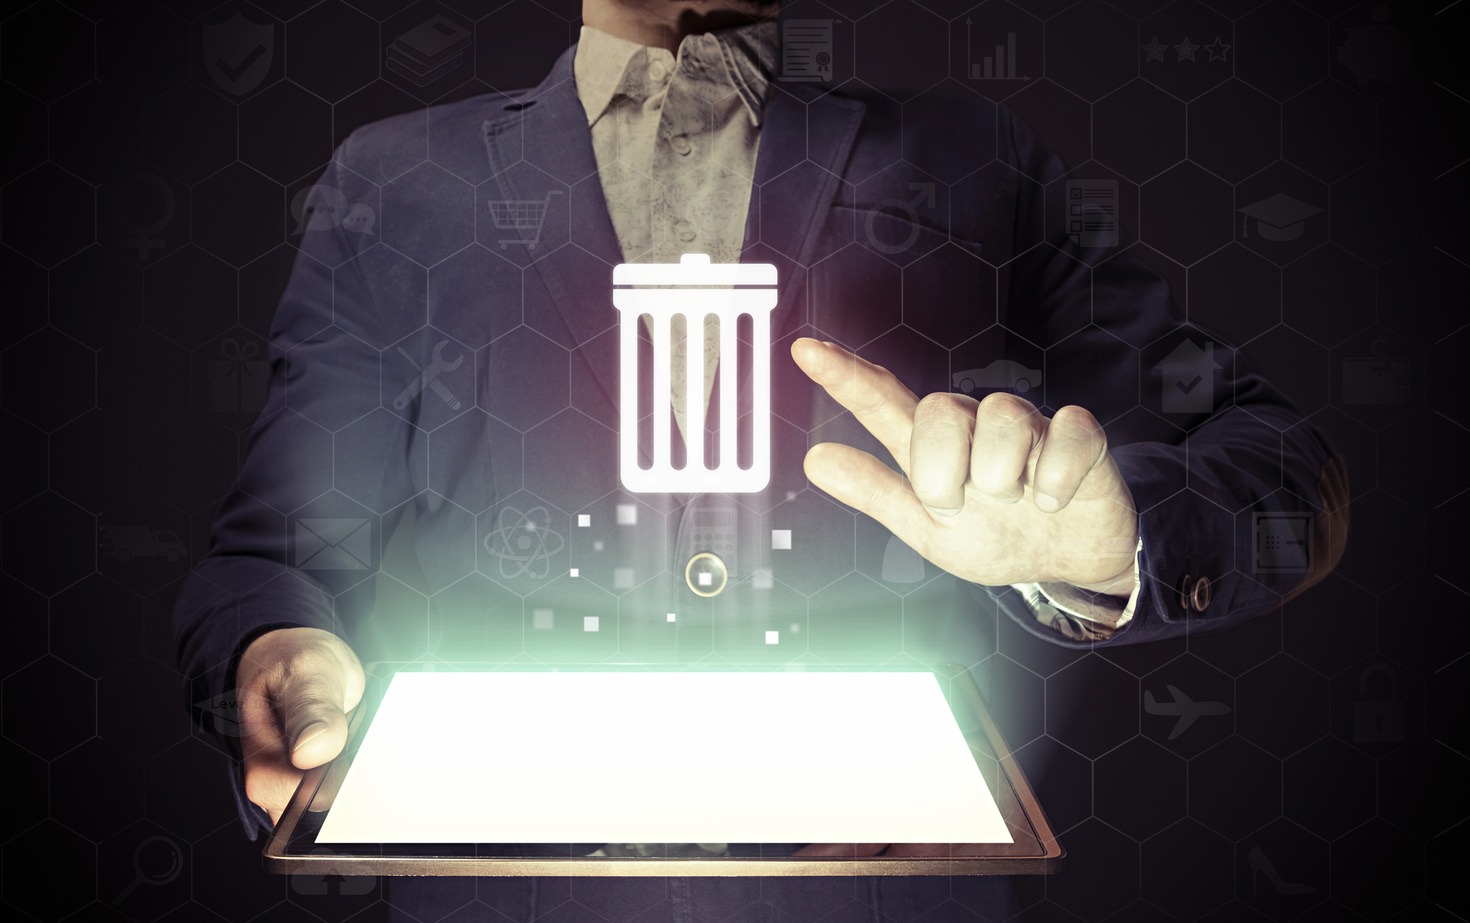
(590, 622)
(627, 514)
(576, 572)
(781, 539)
(584, 520)
(623, 578)
(773, 637)
(705, 578)
(670, 617)
(541, 619)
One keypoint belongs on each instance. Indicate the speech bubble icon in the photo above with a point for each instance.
(319, 207)
(361, 219)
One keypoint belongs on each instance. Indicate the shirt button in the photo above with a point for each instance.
(706, 575)
(684, 231)
(657, 72)
(680, 144)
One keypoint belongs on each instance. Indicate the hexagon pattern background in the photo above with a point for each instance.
(1296, 169)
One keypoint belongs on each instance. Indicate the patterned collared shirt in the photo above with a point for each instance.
(675, 138)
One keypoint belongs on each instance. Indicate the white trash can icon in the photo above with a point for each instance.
(702, 292)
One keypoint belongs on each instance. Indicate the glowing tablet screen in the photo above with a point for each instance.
(664, 758)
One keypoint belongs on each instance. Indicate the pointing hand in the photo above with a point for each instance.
(991, 491)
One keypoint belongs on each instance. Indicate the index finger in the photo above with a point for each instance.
(880, 402)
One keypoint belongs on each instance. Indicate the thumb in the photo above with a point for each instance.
(861, 481)
(315, 717)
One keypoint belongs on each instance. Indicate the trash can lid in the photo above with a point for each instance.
(694, 269)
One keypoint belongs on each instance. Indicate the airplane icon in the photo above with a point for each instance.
(1187, 709)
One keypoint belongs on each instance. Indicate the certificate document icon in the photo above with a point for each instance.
(806, 50)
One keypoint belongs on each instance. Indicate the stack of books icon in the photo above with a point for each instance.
(428, 51)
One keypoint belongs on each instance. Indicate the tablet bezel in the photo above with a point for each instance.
(1035, 850)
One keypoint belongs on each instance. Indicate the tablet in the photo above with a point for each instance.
(641, 769)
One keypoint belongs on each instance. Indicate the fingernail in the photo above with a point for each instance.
(943, 511)
(310, 733)
(1047, 503)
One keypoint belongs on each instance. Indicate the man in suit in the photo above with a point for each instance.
(909, 243)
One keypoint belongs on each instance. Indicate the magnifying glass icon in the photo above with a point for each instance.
(163, 864)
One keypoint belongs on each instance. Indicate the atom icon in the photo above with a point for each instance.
(524, 542)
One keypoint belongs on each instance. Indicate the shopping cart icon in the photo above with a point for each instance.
(653, 294)
(525, 216)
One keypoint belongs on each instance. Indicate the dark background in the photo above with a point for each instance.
(146, 230)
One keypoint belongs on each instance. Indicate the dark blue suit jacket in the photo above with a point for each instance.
(931, 238)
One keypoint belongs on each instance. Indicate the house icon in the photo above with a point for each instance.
(1189, 378)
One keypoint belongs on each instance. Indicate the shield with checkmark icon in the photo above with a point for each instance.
(1189, 378)
(238, 53)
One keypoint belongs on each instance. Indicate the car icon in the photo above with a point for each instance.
(1004, 374)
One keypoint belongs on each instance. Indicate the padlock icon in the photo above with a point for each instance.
(1378, 720)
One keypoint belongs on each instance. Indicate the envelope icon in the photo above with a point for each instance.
(334, 544)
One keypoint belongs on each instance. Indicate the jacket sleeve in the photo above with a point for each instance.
(291, 493)
(1202, 477)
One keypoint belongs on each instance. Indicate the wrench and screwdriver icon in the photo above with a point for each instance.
(429, 378)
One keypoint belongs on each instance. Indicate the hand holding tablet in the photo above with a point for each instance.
(295, 687)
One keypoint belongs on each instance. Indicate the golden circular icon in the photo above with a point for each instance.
(706, 574)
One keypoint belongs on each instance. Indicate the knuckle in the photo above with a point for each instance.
(1077, 422)
(1002, 409)
(941, 406)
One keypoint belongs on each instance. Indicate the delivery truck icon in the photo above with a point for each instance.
(703, 293)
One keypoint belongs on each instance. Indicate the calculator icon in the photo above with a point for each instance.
(715, 530)
(1283, 543)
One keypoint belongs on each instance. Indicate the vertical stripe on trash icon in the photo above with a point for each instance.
(701, 293)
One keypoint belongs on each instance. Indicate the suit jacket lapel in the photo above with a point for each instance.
(806, 138)
(540, 145)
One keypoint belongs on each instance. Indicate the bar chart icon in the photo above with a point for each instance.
(1000, 64)
(651, 295)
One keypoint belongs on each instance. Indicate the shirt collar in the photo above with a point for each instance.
(742, 59)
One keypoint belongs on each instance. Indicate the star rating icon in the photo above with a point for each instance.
(1186, 49)
(1217, 49)
(1154, 50)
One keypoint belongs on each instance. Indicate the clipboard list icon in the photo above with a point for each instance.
(1092, 212)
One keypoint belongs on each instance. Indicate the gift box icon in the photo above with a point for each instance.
(238, 381)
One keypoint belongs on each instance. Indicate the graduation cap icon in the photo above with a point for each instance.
(1279, 217)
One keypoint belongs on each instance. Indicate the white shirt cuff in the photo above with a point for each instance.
(1080, 614)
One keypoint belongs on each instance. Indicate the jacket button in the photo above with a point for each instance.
(1199, 596)
(706, 574)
